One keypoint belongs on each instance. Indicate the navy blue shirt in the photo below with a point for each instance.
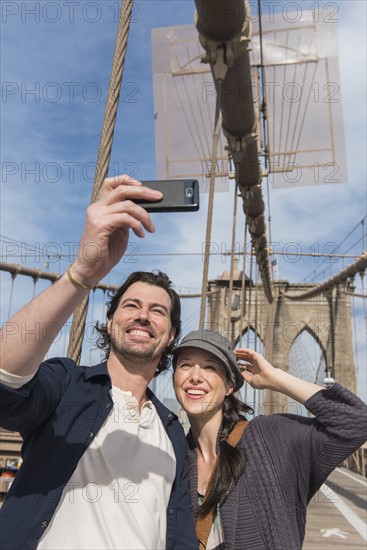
(58, 413)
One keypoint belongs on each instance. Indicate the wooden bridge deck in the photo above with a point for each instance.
(337, 516)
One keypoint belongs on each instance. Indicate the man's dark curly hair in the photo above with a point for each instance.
(155, 278)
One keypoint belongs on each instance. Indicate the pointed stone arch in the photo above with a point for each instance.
(250, 337)
(308, 348)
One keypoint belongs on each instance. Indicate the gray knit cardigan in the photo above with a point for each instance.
(287, 459)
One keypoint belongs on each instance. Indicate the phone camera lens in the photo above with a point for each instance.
(189, 192)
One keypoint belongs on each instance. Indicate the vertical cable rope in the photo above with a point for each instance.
(209, 221)
(230, 289)
(103, 159)
(243, 287)
(249, 301)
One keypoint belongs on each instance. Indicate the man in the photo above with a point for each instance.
(104, 460)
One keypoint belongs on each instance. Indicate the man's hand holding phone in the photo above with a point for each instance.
(124, 203)
(178, 196)
(108, 221)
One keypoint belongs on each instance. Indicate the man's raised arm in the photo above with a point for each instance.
(26, 337)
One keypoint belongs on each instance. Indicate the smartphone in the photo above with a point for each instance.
(178, 196)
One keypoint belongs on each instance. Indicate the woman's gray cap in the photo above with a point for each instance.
(217, 345)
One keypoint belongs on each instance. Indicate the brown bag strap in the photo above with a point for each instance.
(202, 528)
(204, 524)
(237, 432)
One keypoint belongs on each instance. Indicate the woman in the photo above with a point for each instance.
(258, 490)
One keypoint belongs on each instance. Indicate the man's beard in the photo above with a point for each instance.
(139, 352)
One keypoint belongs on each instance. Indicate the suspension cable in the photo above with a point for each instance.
(104, 155)
(243, 287)
(230, 289)
(217, 125)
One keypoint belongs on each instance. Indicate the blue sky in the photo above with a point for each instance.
(56, 60)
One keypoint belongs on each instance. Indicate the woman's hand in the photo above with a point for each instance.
(260, 374)
(256, 370)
